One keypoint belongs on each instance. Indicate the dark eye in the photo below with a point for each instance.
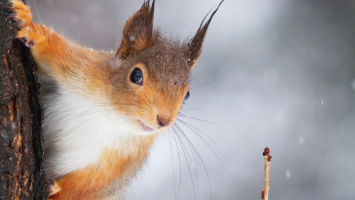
(187, 96)
(137, 77)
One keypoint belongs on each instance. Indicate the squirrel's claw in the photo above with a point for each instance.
(12, 15)
(26, 42)
(54, 188)
(8, 5)
(22, 15)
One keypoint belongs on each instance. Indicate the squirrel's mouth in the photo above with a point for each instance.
(147, 128)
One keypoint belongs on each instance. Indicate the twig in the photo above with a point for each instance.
(267, 159)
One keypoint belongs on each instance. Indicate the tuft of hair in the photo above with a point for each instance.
(196, 43)
(138, 31)
(138, 34)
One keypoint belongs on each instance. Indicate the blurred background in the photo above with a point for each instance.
(276, 73)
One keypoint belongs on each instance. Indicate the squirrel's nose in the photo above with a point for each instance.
(163, 121)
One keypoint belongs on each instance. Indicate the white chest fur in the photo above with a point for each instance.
(77, 130)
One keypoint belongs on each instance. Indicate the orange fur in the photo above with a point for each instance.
(62, 66)
(55, 54)
(91, 182)
(106, 78)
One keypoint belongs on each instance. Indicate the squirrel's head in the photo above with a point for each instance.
(152, 73)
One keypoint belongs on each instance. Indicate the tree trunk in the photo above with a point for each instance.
(21, 116)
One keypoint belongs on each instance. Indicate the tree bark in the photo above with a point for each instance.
(21, 116)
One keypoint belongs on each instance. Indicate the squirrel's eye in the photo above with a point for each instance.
(187, 96)
(137, 76)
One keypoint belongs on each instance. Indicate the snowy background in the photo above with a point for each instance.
(276, 73)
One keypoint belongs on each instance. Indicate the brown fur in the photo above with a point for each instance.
(166, 65)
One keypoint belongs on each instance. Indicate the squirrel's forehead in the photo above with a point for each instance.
(168, 48)
(168, 63)
(170, 75)
(172, 70)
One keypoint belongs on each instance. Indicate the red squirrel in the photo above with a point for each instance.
(103, 110)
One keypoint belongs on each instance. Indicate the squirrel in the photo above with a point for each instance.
(103, 110)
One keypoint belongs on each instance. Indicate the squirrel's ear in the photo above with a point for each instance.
(196, 43)
(138, 31)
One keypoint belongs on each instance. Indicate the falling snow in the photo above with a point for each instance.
(251, 62)
(94, 7)
(353, 85)
(301, 140)
(74, 19)
(50, 2)
(288, 174)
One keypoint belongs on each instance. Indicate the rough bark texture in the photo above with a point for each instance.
(21, 116)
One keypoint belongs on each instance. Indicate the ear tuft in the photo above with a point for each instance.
(138, 31)
(196, 43)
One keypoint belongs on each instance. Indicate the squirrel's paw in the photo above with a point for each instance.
(22, 15)
(54, 188)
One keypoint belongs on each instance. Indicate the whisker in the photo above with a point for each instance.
(195, 109)
(90, 120)
(177, 148)
(217, 157)
(191, 149)
(147, 99)
(198, 86)
(83, 112)
(210, 123)
(201, 163)
(172, 160)
(183, 150)
(191, 128)
(197, 75)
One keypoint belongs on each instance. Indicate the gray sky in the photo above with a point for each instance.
(276, 73)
